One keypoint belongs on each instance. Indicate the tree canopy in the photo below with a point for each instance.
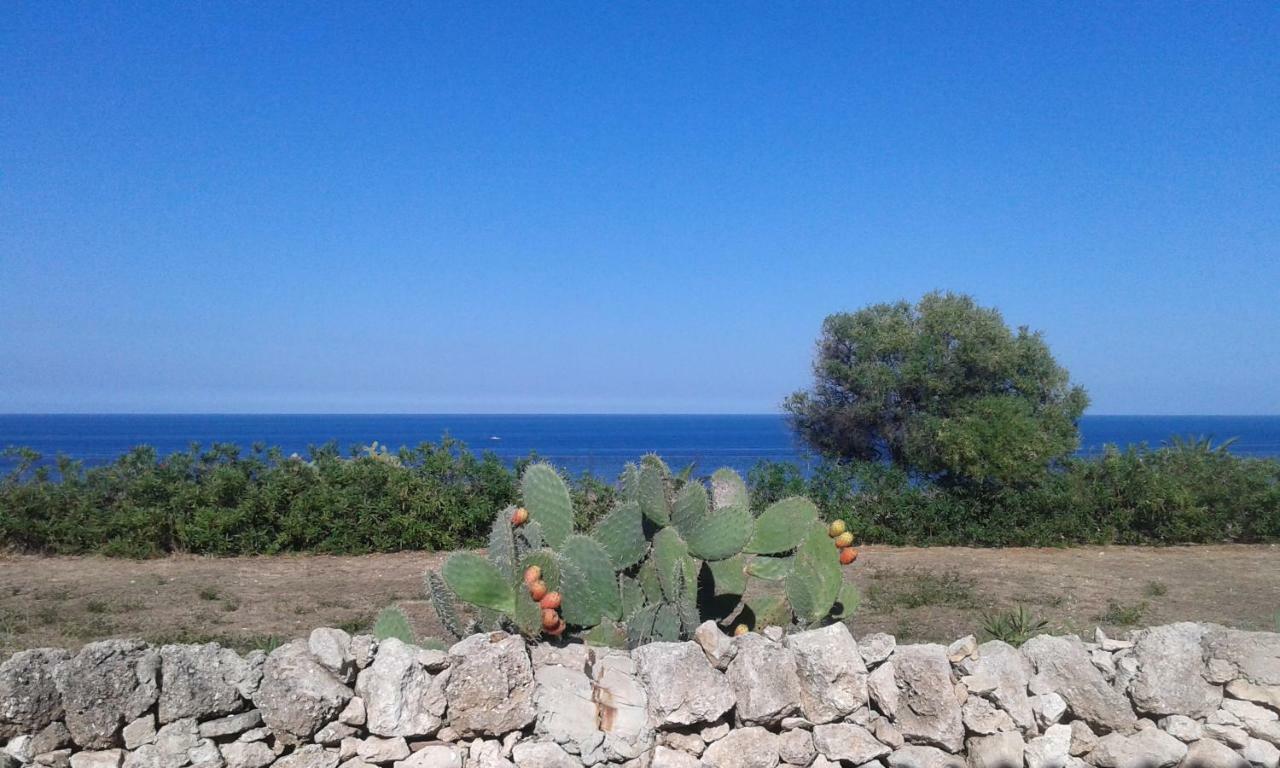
(943, 389)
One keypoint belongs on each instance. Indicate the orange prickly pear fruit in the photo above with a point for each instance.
(520, 516)
(848, 555)
(740, 630)
(557, 630)
(532, 574)
(551, 600)
(855, 554)
(844, 540)
(836, 528)
(538, 590)
(549, 619)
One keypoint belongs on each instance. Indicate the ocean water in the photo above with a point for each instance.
(578, 443)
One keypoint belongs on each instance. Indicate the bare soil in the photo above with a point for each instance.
(934, 594)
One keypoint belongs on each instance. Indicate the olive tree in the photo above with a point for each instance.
(944, 389)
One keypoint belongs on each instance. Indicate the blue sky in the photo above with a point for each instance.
(483, 207)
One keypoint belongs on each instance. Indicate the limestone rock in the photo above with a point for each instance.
(964, 648)
(1050, 750)
(665, 757)
(590, 701)
(354, 713)
(1048, 708)
(1083, 739)
(1261, 754)
(927, 710)
(401, 697)
(201, 681)
(751, 747)
(230, 725)
(1208, 753)
(104, 686)
(139, 732)
(796, 747)
(887, 733)
(490, 686)
(915, 756)
(1062, 666)
(764, 679)
(882, 688)
(1171, 672)
(1267, 730)
(363, 648)
(205, 754)
(1232, 735)
(1256, 655)
(1003, 674)
(1001, 750)
(537, 754)
(685, 742)
(717, 645)
(107, 758)
(50, 738)
(332, 648)
(29, 698)
(487, 753)
(333, 734)
(253, 754)
(297, 696)
(681, 686)
(981, 717)
(1263, 694)
(876, 648)
(1152, 748)
(847, 743)
(309, 756)
(376, 749)
(59, 758)
(832, 674)
(1182, 728)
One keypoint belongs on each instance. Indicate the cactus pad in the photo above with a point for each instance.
(444, 602)
(728, 576)
(669, 553)
(477, 581)
(587, 583)
(547, 499)
(502, 542)
(690, 506)
(728, 490)
(783, 525)
(547, 561)
(814, 584)
(652, 495)
(392, 622)
(847, 603)
(771, 568)
(718, 535)
(621, 533)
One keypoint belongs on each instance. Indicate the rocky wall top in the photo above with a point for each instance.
(1183, 694)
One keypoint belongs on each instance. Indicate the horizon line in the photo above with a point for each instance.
(631, 414)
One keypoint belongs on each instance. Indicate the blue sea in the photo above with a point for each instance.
(578, 443)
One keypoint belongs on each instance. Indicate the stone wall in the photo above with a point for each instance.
(1183, 694)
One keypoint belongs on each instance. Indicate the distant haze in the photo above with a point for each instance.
(514, 208)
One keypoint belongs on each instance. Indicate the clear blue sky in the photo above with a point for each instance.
(270, 207)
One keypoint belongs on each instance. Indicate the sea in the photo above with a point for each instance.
(599, 444)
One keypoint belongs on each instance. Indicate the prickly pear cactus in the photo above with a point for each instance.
(673, 552)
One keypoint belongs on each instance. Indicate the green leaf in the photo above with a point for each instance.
(728, 490)
(589, 588)
(769, 610)
(728, 576)
(477, 581)
(782, 526)
(669, 552)
(771, 568)
(547, 499)
(621, 533)
(640, 626)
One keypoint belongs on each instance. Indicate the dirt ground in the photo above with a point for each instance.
(918, 594)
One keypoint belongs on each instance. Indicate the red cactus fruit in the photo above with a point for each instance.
(550, 600)
(538, 590)
(532, 574)
(848, 555)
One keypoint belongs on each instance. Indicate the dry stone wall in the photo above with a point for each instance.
(1177, 695)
